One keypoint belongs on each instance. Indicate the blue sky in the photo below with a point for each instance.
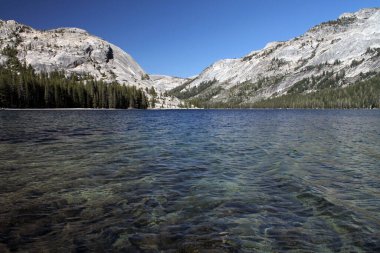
(182, 37)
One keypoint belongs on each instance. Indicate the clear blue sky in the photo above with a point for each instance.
(182, 37)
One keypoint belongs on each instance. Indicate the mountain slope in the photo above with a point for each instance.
(332, 54)
(75, 51)
(165, 83)
(72, 50)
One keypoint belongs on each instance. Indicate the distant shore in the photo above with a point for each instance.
(163, 109)
(65, 109)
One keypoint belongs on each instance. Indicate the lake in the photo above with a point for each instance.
(190, 180)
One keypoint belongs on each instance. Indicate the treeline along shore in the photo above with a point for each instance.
(22, 87)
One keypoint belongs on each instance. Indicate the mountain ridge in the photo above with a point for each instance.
(76, 51)
(346, 47)
(332, 54)
(73, 50)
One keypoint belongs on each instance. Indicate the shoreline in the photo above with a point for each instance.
(165, 109)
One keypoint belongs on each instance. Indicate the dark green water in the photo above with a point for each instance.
(190, 181)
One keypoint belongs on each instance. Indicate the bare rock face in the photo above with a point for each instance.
(165, 83)
(72, 50)
(344, 49)
(75, 51)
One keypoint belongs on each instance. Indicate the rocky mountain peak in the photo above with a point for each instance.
(75, 51)
(69, 30)
(72, 50)
(346, 47)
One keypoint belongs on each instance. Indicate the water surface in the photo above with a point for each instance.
(190, 181)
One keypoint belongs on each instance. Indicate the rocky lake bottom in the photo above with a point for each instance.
(190, 181)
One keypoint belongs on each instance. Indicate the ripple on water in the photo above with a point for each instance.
(190, 181)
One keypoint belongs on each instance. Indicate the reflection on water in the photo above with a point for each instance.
(190, 181)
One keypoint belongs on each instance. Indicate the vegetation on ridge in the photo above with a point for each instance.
(21, 87)
(362, 94)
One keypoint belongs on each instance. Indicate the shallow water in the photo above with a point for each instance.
(190, 181)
